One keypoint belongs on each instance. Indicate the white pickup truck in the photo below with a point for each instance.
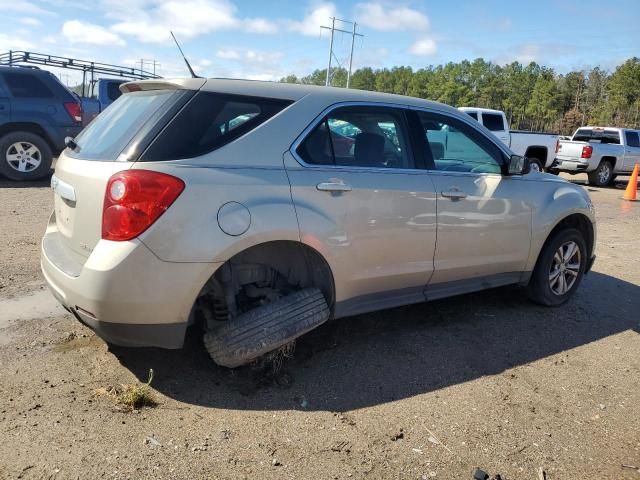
(600, 152)
(540, 148)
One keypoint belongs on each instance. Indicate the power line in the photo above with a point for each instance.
(332, 55)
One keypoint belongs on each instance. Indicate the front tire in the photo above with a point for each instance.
(559, 269)
(601, 176)
(535, 165)
(24, 156)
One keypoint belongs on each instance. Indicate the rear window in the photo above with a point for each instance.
(108, 135)
(23, 85)
(493, 122)
(597, 135)
(209, 121)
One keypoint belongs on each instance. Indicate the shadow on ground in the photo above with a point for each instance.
(41, 183)
(377, 358)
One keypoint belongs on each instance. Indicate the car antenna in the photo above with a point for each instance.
(193, 74)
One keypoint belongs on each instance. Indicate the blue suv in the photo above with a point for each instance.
(37, 112)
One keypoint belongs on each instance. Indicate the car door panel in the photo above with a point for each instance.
(378, 237)
(485, 231)
(484, 217)
(375, 225)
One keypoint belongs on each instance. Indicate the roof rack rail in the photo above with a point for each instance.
(22, 58)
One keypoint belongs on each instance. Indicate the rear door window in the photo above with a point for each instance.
(22, 85)
(108, 135)
(493, 122)
(632, 139)
(209, 121)
(359, 137)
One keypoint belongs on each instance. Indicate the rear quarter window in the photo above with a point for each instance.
(23, 85)
(209, 121)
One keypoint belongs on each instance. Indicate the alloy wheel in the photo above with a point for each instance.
(23, 157)
(565, 268)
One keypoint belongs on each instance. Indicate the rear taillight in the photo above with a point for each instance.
(74, 110)
(558, 146)
(134, 200)
(586, 151)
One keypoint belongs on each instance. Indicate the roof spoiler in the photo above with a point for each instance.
(164, 84)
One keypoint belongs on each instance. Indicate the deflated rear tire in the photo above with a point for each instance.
(266, 328)
(559, 269)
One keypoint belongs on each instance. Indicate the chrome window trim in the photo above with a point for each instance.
(319, 118)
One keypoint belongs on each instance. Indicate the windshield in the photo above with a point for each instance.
(108, 135)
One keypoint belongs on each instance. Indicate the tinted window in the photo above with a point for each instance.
(597, 135)
(113, 91)
(209, 121)
(493, 122)
(473, 115)
(456, 147)
(359, 137)
(632, 139)
(107, 136)
(26, 86)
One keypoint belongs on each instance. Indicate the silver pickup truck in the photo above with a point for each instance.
(600, 152)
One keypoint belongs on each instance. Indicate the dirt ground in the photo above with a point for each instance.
(428, 391)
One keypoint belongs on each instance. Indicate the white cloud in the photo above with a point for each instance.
(310, 24)
(424, 47)
(527, 53)
(151, 20)
(259, 25)
(23, 6)
(30, 21)
(79, 32)
(228, 54)
(8, 42)
(390, 19)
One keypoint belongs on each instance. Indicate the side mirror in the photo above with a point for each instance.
(518, 165)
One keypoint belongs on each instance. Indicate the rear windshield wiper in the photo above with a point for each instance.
(72, 144)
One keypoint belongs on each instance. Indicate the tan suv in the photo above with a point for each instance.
(262, 209)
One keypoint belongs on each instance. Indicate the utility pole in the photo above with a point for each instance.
(353, 41)
(353, 34)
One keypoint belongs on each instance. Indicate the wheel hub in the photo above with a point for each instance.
(23, 157)
(565, 268)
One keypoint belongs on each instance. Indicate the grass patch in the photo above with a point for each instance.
(131, 397)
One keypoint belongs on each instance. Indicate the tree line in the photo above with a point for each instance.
(534, 97)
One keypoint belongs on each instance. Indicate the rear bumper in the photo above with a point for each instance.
(572, 165)
(124, 292)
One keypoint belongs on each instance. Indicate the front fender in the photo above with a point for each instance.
(555, 201)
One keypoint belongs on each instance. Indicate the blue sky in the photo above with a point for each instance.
(269, 39)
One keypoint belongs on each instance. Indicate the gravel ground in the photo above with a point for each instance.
(428, 391)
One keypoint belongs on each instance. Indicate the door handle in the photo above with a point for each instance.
(333, 187)
(454, 194)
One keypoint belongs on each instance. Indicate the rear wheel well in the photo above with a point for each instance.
(611, 160)
(261, 274)
(579, 222)
(27, 127)
(538, 152)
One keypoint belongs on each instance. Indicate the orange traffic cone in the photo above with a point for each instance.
(632, 186)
